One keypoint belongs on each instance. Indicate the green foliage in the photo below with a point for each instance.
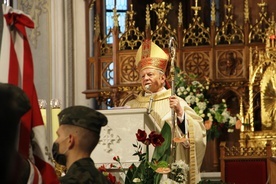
(163, 152)
(146, 169)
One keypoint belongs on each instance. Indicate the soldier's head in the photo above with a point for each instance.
(79, 129)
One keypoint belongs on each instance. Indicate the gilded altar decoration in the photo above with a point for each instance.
(268, 96)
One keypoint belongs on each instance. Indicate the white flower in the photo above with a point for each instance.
(181, 88)
(216, 106)
(230, 130)
(232, 121)
(167, 181)
(136, 180)
(225, 115)
(200, 86)
(199, 95)
(194, 83)
(202, 106)
(181, 163)
(179, 170)
(190, 99)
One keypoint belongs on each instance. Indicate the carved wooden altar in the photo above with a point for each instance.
(235, 52)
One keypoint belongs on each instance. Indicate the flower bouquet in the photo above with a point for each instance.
(219, 121)
(216, 117)
(152, 170)
(145, 173)
(178, 173)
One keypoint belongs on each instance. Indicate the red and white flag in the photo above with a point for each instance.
(16, 65)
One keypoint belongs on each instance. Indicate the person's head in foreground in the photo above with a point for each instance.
(78, 134)
(14, 103)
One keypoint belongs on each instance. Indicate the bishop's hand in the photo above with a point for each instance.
(175, 104)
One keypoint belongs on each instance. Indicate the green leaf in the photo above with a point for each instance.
(161, 164)
(164, 149)
(130, 173)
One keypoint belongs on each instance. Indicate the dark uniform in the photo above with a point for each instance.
(84, 171)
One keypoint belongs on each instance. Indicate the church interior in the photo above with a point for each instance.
(230, 42)
(84, 54)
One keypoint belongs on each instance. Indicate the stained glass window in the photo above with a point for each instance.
(121, 7)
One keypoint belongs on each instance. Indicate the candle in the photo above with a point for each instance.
(55, 123)
(42, 105)
(55, 110)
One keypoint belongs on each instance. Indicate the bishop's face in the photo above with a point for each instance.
(153, 78)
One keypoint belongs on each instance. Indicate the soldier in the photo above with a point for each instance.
(78, 135)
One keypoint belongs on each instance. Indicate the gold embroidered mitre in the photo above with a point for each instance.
(149, 55)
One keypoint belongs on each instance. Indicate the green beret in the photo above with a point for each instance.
(84, 117)
(14, 101)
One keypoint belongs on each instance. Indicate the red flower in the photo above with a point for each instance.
(116, 158)
(141, 136)
(156, 139)
(147, 141)
(111, 178)
(102, 168)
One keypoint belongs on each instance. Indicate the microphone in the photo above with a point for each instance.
(147, 87)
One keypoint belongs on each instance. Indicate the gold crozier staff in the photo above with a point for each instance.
(172, 72)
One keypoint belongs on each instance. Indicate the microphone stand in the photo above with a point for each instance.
(150, 103)
(151, 98)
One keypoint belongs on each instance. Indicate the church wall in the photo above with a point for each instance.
(59, 52)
